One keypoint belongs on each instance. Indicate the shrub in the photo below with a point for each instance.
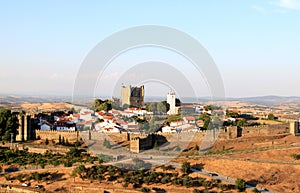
(240, 184)
(125, 185)
(255, 190)
(196, 147)
(145, 189)
(165, 180)
(106, 144)
(294, 156)
(187, 181)
(186, 167)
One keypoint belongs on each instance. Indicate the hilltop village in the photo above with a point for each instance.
(130, 115)
(188, 147)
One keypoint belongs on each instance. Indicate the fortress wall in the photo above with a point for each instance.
(265, 130)
(234, 131)
(70, 135)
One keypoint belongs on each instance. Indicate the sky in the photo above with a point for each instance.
(255, 44)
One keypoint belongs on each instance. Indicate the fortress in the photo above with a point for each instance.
(132, 96)
(25, 131)
(138, 142)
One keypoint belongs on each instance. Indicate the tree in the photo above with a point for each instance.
(145, 189)
(240, 184)
(206, 118)
(46, 141)
(81, 170)
(59, 139)
(166, 179)
(106, 144)
(67, 142)
(9, 123)
(186, 167)
(177, 102)
(74, 174)
(232, 114)
(271, 116)
(100, 105)
(37, 176)
(63, 141)
(255, 190)
(241, 123)
(196, 147)
(166, 106)
(187, 181)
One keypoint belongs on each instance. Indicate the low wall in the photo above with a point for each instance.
(234, 131)
(265, 130)
(54, 135)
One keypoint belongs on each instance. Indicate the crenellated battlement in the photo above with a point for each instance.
(72, 136)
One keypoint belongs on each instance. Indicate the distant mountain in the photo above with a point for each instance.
(270, 100)
(16, 99)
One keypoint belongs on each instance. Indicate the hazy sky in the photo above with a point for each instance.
(255, 44)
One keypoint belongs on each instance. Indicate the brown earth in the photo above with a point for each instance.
(264, 160)
(66, 183)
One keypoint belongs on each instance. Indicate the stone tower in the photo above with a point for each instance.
(171, 99)
(132, 96)
(25, 131)
(294, 128)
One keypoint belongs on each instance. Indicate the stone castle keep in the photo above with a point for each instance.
(26, 131)
(132, 96)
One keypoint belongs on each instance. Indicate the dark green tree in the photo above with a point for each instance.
(271, 116)
(196, 147)
(166, 106)
(177, 102)
(106, 144)
(240, 184)
(100, 105)
(206, 118)
(9, 123)
(186, 167)
(145, 189)
(63, 141)
(59, 139)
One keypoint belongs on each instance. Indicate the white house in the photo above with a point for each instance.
(65, 126)
(189, 120)
(176, 123)
(168, 129)
(46, 126)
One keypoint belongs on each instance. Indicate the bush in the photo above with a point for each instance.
(125, 185)
(196, 148)
(187, 181)
(106, 144)
(255, 190)
(294, 156)
(165, 180)
(77, 144)
(186, 167)
(240, 184)
(145, 189)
